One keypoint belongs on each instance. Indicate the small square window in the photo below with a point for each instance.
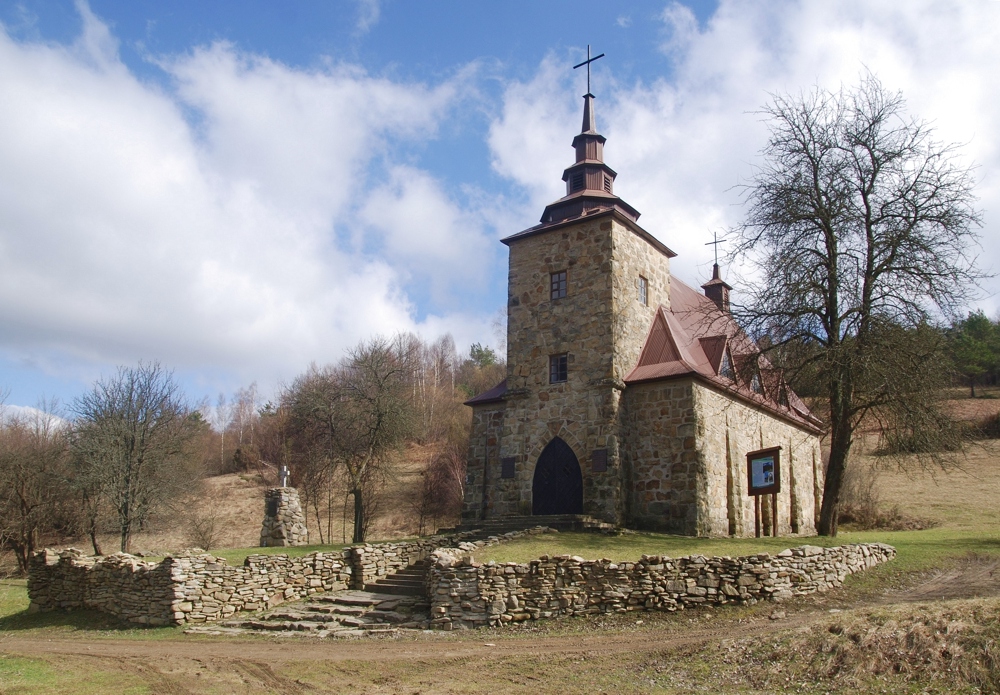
(557, 285)
(643, 286)
(557, 368)
(507, 467)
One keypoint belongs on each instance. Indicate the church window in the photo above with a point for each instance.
(643, 286)
(726, 367)
(576, 183)
(783, 397)
(607, 184)
(558, 368)
(755, 384)
(557, 285)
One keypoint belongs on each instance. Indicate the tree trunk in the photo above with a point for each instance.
(126, 537)
(359, 516)
(840, 448)
(93, 539)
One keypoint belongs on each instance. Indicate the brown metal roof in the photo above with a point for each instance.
(494, 395)
(691, 338)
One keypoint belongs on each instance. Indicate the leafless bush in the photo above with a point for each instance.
(204, 530)
(861, 504)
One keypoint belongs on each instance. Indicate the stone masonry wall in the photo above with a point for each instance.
(483, 470)
(465, 594)
(600, 325)
(196, 587)
(727, 430)
(179, 589)
(284, 522)
(661, 457)
(685, 453)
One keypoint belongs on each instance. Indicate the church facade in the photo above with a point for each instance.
(630, 396)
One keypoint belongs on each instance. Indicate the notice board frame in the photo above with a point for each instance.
(761, 456)
(762, 460)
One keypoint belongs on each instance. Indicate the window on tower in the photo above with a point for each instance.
(643, 286)
(576, 182)
(557, 285)
(558, 368)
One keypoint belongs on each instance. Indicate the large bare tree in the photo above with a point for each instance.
(858, 232)
(130, 435)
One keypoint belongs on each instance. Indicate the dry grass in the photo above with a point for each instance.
(946, 647)
(965, 495)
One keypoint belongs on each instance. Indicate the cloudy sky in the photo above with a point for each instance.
(240, 188)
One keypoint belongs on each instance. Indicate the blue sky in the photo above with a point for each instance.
(237, 189)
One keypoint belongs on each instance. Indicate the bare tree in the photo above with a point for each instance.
(130, 434)
(33, 492)
(859, 229)
(377, 416)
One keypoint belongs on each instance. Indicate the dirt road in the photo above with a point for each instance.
(200, 664)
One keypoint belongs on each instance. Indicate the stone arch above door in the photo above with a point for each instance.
(557, 486)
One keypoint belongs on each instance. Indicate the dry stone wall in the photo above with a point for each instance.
(465, 594)
(186, 588)
(194, 587)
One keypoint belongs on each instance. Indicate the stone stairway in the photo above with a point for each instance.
(562, 522)
(339, 614)
(411, 581)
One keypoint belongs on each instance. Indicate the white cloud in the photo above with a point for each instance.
(369, 12)
(425, 234)
(681, 145)
(127, 233)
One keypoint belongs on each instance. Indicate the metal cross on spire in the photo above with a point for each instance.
(587, 62)
(715, 243)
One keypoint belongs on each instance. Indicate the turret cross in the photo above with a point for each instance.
(715, 243)
(587, 62)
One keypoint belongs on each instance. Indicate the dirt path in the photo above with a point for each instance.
(176, 666)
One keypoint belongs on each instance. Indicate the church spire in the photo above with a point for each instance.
(589, 181)
(589, 122)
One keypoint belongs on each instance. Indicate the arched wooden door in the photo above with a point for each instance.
(558, 484)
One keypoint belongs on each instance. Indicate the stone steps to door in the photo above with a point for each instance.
(339, 614)
(410, 581)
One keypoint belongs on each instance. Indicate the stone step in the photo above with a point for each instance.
(337, 615)
(393, 588)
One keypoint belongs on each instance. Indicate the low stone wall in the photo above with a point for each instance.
(196, 587)
(179, 589)
(465, 594)
(207, 589)
(370, 562)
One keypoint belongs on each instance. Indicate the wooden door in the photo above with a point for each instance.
(557, 487)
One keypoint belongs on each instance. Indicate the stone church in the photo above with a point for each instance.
(630, 396)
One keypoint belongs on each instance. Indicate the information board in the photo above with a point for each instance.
(764, 471)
